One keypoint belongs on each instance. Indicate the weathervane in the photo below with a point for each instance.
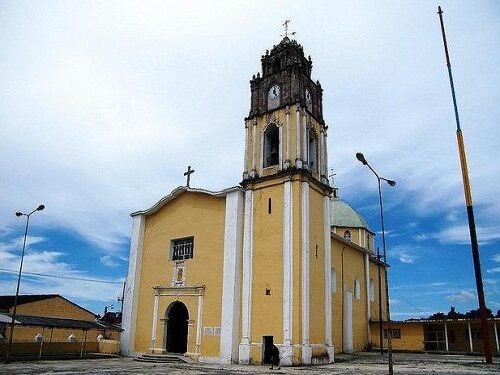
(286, 29)
(188, 174)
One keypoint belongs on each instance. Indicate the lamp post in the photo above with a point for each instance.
(19, 214)
(362, 159)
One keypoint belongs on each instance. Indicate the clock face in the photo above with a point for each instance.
(274, 92)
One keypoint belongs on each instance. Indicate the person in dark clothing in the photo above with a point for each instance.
(275, 357)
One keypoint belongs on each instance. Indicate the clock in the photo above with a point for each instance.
(274, 92)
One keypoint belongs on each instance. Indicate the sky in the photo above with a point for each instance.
(103, 105)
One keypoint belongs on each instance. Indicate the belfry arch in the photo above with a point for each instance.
(271, 147)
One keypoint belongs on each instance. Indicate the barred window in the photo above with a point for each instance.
(182, 248)
(395, 333)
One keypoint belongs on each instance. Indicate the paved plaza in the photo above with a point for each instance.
(359, 364)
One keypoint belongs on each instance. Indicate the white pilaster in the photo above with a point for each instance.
(286, 350)
(306, 344)
(496, 335)
(287, 124)
(328, 278)
(260, 156)
(131, 295)
(367, 289)
(280, 151)
(233, 238)
(305, 141)
(154, 323)
(246, 296)
(321, 155)
(254, 147)
(325, 156)
(298, 160)
(446, 337)
(199, 325)
(246, 163)
(470, 338)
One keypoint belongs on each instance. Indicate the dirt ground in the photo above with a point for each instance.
(359, 364)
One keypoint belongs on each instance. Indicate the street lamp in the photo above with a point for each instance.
(19, 214)
(362, 159)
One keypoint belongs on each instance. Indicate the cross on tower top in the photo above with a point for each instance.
(332, 175)
(286, 29)
(188, 174)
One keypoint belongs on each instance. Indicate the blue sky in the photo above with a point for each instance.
(104, 104)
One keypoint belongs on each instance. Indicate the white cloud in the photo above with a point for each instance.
(459, 234)
(496, 257)
(493, 270)
(462, 296)
(406, 258)
(405, 254)
(108, 261)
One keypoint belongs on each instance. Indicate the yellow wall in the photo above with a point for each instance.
(349, 264)
(56, 307)
(412, 336)
(190, 214)
(317, 270)
(267, 310)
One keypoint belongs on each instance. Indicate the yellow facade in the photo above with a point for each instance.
(201, 216)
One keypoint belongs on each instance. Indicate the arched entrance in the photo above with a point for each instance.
(177, 328)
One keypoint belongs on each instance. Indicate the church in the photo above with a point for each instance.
(280, 260)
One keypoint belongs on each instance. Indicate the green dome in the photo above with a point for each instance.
(343, 215)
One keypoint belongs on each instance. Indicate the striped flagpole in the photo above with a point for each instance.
(470, 210)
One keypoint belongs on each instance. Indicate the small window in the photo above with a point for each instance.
(271, 146)
(368, 245)
(372, 291)
(182, 248)
(334, 281)
(357, 289)
(269, 206)
(347, 235)
(395, 333)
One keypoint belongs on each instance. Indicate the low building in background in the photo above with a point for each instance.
(49, 324)
(448, 335)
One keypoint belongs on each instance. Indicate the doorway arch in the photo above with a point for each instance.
(176, 328)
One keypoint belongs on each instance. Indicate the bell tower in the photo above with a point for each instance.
(286, 266)
(285, 127)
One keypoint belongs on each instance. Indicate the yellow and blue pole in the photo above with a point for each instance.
(470, 210)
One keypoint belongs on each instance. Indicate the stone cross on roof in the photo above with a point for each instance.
(286, 29)
(188, 174)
